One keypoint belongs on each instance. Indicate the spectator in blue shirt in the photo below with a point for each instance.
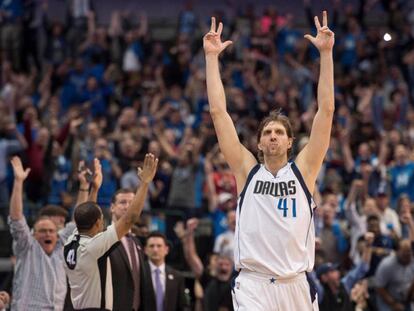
(95, 97)
(401, 175)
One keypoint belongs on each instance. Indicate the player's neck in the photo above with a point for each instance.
(274, 164)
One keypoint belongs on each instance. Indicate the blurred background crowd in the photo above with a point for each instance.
(76, 88)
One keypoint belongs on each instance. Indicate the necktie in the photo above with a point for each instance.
(159, 292)
(135, 272)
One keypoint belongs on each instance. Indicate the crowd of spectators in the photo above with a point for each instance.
(114, 93)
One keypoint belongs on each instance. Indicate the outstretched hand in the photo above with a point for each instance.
(212, 40)
(192, 224)
(83, 171)
(325, 38)
(147, 172)
(20, 174)
(97, 176)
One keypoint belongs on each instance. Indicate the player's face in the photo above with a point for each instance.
(274, 140)
(156, 250)
(120, 207)
(45, 232)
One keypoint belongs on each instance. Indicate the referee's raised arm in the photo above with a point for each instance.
(146, 175)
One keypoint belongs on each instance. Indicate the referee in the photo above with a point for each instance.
(88, 270)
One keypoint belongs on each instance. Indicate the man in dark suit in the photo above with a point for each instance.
(165, 292)
(129, 275)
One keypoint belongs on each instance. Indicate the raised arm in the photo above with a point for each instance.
(237, 156)
(16, 201)
(146, 175)
(96, 180)
(351, 213)
(83, 190)
(311, 157)
(190, 252)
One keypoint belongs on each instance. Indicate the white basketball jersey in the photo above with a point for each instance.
(275, 233)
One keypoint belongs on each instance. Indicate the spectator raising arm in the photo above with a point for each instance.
(16, 201)
(189, 248)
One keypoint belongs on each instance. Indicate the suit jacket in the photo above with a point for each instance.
(174, 299)
(122, 281)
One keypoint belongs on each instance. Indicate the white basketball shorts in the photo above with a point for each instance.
(260, 292)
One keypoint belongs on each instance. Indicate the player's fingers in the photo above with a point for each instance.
(325, 18)
(328, 32)
(227, 43)
(317, 24)
(220, 28)
(213, 24)
(309, 37)
(211, 35)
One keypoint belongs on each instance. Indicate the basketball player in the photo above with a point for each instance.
(275, 238)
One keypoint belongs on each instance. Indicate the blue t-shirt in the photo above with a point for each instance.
(59, 182)
(402, 181)
(219, 219)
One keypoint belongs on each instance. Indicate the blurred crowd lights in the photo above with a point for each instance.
(387, 37)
